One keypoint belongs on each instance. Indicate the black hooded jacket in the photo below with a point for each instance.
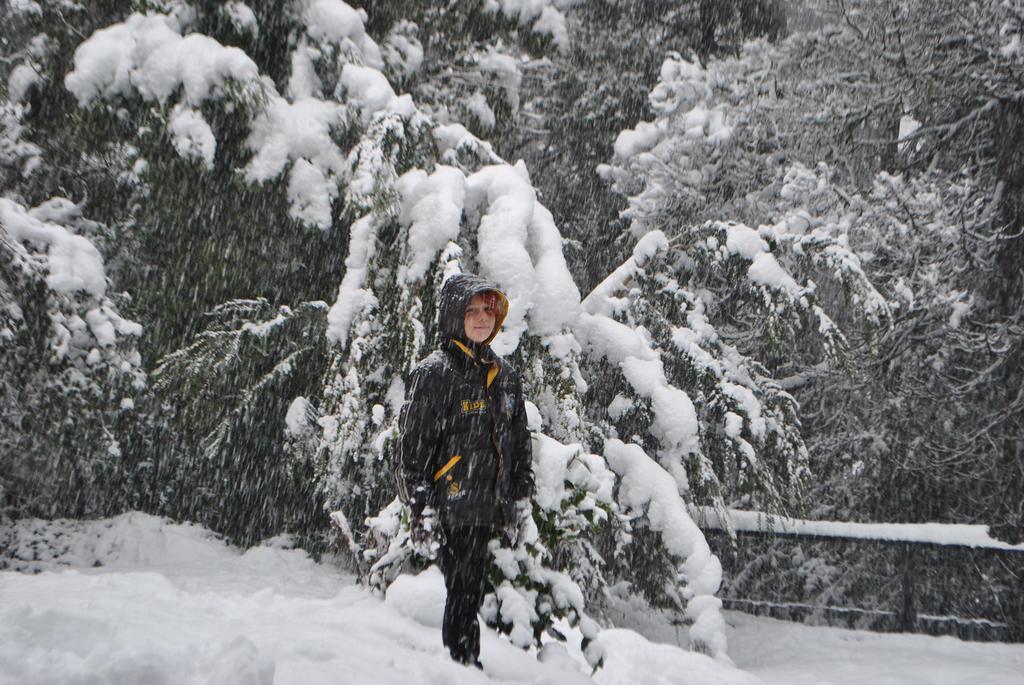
(464, 447)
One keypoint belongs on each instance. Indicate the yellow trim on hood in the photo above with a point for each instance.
(492, 372)
(465, 349)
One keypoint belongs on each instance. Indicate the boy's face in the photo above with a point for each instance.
(480, 314)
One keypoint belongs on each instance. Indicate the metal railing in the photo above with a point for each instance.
(917, 553)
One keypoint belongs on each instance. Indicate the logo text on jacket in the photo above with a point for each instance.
(474, 406)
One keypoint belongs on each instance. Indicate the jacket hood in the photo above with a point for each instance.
(456, 293)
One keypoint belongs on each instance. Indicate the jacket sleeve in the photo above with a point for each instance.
(522, 462)
(419, 439)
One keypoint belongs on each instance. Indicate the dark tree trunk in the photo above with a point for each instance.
(1008, 284)
(1007, 300)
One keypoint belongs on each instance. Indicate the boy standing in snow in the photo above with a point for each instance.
(465, 450)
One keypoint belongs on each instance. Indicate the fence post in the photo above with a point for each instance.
(908, 616)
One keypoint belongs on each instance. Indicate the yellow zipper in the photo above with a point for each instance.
(447, 467)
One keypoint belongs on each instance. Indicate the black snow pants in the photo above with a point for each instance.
(463, 562)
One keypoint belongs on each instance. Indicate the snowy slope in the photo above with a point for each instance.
(783, 653)
(134, 599)
(786, 653)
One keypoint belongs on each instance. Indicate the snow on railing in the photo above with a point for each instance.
(949, 534)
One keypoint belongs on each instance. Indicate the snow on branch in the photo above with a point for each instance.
(646, 487)
(147, 54)
(432, 207)
(73, 263)
(86, 327)
(335, 23)
(545, 16)
(520, 248)
(352, 296)
(675, 419)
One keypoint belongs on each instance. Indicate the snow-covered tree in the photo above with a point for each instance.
(418, 200)
(70, 369)
(360, 157)
(944, 227)
(840, 134)
(723, 296)
(923, 185)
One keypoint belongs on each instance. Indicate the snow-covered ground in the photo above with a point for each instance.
(137, 600)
